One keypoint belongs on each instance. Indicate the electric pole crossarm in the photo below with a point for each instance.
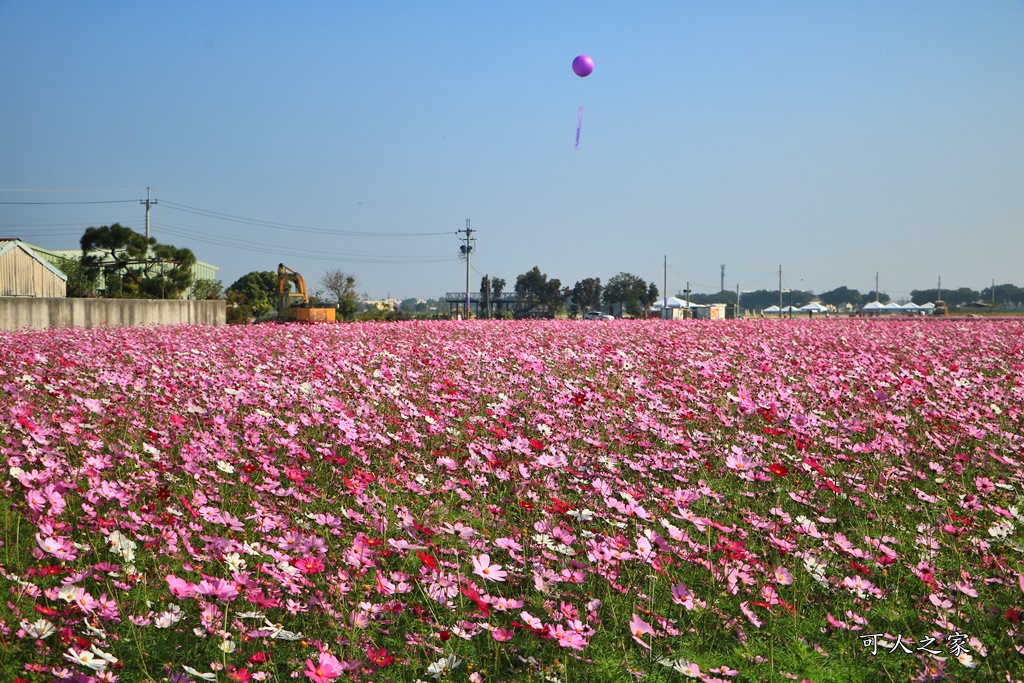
(148, 203)
(466, 249)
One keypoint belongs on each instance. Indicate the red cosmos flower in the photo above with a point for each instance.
(239, 675)
(259, 658)
(45, 611)
(859, 568)
(560, 507)
(778, 469)
(1014, 614)
(526, 505)
(471, 592)
(428, 561)
(813, 464)
(536, 445)
(308, 565)
(444, 636)
(380, 657)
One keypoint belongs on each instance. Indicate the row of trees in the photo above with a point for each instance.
(535, 294)
(1005, 295)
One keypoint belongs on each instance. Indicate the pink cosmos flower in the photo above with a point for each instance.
(325, 670)
(783, 577)
(738, 461)
(749, 614)
(180, 588)
(638, 627)
(569, 638)
(218, 589)
(502, 635)
(492, 572)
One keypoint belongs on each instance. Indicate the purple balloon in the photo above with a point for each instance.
(583, 66)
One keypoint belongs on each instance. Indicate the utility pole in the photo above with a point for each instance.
(737, 316)
(876, 286)
(780, 290)
(664, 303)
(688, 312)
(722, 288)
(993, 291)
(466, 249)
(147, 203)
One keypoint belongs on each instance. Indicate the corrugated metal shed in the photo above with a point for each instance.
(24, 273)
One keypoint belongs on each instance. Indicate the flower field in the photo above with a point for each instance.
(557, 501)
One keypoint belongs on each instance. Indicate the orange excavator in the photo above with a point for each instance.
(295, 305)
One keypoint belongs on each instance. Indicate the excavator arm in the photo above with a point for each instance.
(295, 305)
(286, 275)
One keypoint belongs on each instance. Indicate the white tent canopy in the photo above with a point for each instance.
(814, 307)
(771, 309)
(673, 302)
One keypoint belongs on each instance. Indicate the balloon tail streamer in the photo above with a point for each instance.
(579, 122)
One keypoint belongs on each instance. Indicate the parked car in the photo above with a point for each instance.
(598, 315)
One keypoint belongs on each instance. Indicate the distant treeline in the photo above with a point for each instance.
(1006, 296)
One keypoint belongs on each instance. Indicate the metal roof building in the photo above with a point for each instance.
(25, 273)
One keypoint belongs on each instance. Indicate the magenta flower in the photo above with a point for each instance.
(180, 588)
(638, 627)
(218, 589)
(325, 670)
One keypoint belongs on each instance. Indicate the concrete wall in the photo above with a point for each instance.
(18, 312)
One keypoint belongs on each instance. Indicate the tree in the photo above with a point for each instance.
(134, 265)
(342, 287)
(82, 281)
(484, 305)
(841, 296)
(203, 290)
(651, 296)
(630, 292)
(880, 297)
(539, 292)
(339, 285)
(497, 288)
(257, 291)
(586, 295)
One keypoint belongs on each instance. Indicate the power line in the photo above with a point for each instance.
(289, 226)
(109, 189)
(107, 201)
(318, 255)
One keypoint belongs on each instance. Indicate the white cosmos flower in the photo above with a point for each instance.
(205, 676)
(1000, 529)
(234, 562)
(85, 658)
(39, 629)
(442, 666)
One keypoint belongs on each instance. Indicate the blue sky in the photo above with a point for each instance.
(836, 139)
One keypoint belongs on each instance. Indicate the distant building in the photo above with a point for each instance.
(23, 272)
(389, 304)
